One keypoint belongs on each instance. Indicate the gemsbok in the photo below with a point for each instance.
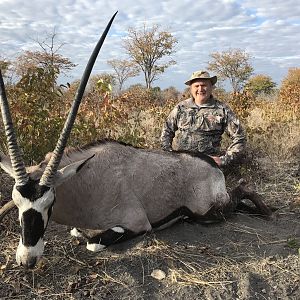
(110, 191)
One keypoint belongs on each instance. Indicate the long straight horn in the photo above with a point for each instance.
(18, 165)
(51, 169)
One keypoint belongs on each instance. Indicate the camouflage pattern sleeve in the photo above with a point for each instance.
(238, 135)
(169, 129)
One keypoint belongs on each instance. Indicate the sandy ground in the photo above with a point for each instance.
(246, 257)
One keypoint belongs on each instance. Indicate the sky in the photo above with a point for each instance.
(269, 30)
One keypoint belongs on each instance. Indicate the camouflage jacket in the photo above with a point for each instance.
(194, 128)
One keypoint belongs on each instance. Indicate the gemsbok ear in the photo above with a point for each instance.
(5, 165)
(68, 171)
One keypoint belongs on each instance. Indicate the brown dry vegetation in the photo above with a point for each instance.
(246, 257)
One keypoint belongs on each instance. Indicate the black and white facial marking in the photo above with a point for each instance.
(35, 204)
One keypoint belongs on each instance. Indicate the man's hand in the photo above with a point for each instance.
(217, 159)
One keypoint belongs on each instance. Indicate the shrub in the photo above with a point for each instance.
(137, 115)
(37, 111)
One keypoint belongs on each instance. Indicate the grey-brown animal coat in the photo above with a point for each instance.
(135, 188)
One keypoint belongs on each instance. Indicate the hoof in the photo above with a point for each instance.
(95, 247)
(76, 233)
(245, 187)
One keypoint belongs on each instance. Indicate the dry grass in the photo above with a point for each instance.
(68, 272)
(243, 258)
(278, 183)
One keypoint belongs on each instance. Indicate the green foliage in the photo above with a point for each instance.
(261, 84)
(103, 82)
(103, 86)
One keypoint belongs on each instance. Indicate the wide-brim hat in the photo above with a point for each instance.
(201, 75)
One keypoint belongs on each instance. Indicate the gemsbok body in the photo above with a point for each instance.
(109, 190)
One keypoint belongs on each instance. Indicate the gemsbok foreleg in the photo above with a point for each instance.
(100, 241)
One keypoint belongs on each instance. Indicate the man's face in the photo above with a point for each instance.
(201, 90)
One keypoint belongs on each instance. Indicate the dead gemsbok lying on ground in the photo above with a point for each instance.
(114, 190)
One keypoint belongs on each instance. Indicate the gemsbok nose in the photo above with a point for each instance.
(31, 263)
(35, 197)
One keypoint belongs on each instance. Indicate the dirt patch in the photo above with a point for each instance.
(246, 257)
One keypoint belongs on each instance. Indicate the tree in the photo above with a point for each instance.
(38, 111)
(36, 99)
(261, 84)
(124, 69)
(146, 47)
(47, 59)
(233, 65)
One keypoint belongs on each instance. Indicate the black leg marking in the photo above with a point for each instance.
(111, 236)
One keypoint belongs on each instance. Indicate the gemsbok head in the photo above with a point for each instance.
(35, 198)
(121, 191)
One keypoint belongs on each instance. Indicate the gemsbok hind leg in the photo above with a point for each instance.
(99, 241)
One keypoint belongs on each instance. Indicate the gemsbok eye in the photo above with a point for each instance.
(110, 191)
(34, 198)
